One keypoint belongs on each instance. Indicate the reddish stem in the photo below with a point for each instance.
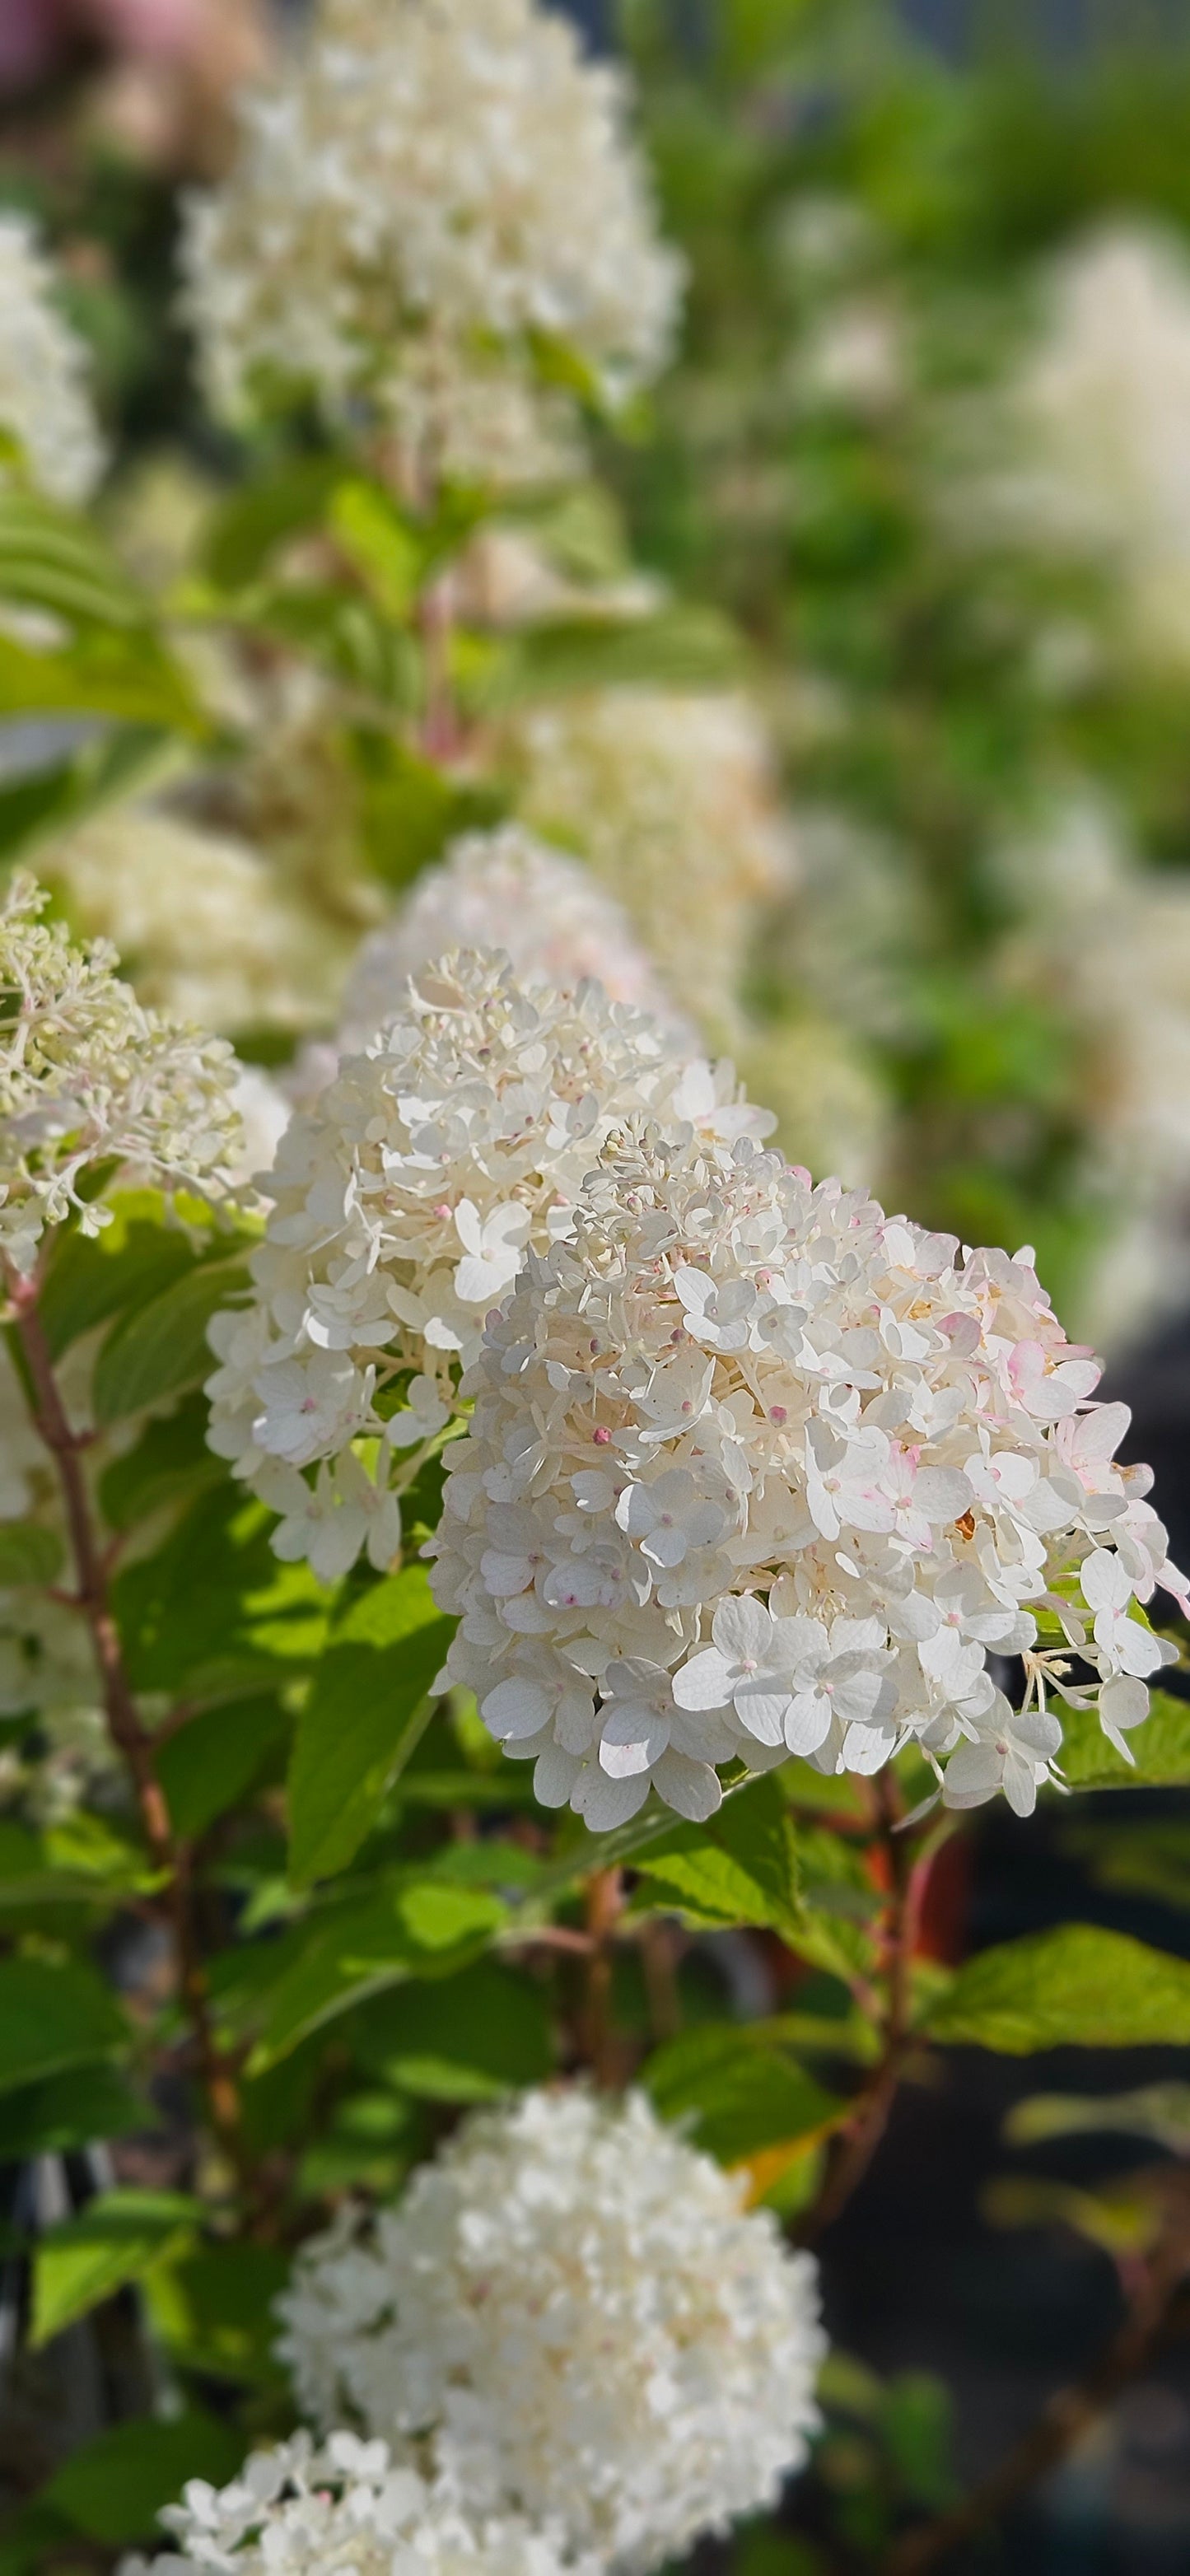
(131, 1739)
(907, 1879)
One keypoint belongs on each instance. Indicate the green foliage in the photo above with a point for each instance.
(67, 2111)
(1074, 1987)
(29, 1553)
(216, 1758)
(212, 1613)
(212, 2307)
(368, 1704)
(1161, 1749)
(117, 2238)
(484, 2034)
(53, 2017)
(137, 1257)
(739, 2090)
(114, 2487)
(54, 799)
(681, 648)
(1157, 2111)
(740, 1868)
(162, 1346)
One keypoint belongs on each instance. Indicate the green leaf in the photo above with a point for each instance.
(417, 1929)
(1158, 2111)
(738, 2090)
(51, 2018)
(1075, 1987)
(408, 810)
(1161, 1747)
(116, 2239)
(123, 674)
(482, 2034)
(137, 1255)
(214, 2311)
(367, 1709)
(215, 1759)
(348, 635)
(682, 648)
(585, 1851)
(53, 559)
(162, 1346)
(115, 2486)
(369, 530)
(739, 1868)
(212, 1614)
(282, 504)
(46, 803)
(29, 1554)
(170, 1463)
(77, 1861)
(69, 2111)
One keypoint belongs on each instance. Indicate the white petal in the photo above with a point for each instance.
(705, 1682)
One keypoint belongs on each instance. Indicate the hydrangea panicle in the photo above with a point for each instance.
(672, 799)
(45, 395)
(404, 1203)
(504, 889)
(755, 1470)
(89, 1076)
(429, 190)
(574, 2311)
(344, 2506)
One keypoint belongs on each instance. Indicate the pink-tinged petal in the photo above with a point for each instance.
(624, 1761)
(505, 1576)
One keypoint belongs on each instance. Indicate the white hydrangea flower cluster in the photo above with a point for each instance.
(45, 396)
(1101, 410)
(429, 190)
(503, 889)
(573, 2305)
(404, 1202)
(755, 1470)
(202, 923)
(672, 800)
(1107, 941)
(299, 2510)
(88, 1076)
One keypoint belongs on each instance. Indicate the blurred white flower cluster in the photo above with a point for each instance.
(89, 1076)
(754, 1470)
(507, 890)
(430, 192)
(403, 1205)
(1107, 941)
(202, 925)
(1101, 413)
(45, 394)
(671, 799)
(302, 2511)
(573, 2309)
